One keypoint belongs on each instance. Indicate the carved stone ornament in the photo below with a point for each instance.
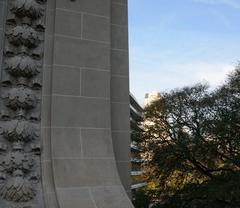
(20, 150)
(28, 8)
(22, 65)
(21, 206)
(3, 147)
(23, 35)
(11, 51)
(17, 160)
(19, 130)
(17, 188)
(20, 98)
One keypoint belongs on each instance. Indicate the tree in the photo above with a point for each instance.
(142, 200)
(192, 140)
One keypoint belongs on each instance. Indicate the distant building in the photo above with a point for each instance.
(136, 118)
(151, 97)
(137, 155)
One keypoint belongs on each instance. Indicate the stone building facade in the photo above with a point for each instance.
(136, 119)
(64, 123)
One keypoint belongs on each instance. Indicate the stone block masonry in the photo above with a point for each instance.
(64, 129)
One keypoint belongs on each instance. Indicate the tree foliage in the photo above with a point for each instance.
(192, 145)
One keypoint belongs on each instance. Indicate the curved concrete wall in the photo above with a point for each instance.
(85, 106)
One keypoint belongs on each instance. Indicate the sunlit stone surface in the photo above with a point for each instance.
(64, 104)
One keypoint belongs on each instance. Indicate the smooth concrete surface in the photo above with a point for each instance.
(85, 126)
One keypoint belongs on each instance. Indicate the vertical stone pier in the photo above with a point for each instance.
(64, 104)
(120, 107)
(22, 63)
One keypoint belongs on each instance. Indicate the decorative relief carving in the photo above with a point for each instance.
(28, 8)
(17, 188)
(11, 51)
(23, 35)
(3, 147)
(36, 148)
(20, 117)
(22, 65)
(17, 160)
(4, 115)
(19, 130)
(20, 98)
(7, 81)
(36, 84)
(22, 206)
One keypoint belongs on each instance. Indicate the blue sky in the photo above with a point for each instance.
(174, 43)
